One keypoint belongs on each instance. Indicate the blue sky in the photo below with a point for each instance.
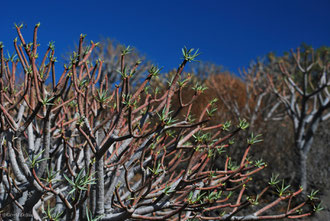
(228, 33)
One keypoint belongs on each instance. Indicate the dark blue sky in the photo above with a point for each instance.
(229, 33)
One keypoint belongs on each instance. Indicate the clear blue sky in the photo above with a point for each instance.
(228, 32)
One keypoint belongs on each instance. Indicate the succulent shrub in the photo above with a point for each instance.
(76, 149)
